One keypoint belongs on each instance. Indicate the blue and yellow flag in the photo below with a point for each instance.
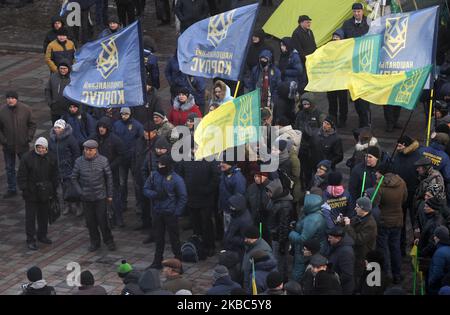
(109, 72)
(232, 124)
(216, 46)
(410, 40)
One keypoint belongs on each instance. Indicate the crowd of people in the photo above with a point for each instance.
(297, 230)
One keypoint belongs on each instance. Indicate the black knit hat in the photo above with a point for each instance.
(34, 274)
(12, 94)
(313, 245)
(162, 143)
(62, 32)
(405, 140)
(274, 280)
(336, 231)
(160, 113)
(335, 178)
(251, 232)
(87, 278)
(434, 203)
(331, 121)
(374, 151)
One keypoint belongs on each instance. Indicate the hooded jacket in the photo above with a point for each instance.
(274, 76)
(172, 187)
(230, 183)
(262, 270)
(180, 112)
(356, 180)
(329, 147)
(233, 238)
(311, 225)
(255, 49)
(54, 92)
(391, 196)
(285, 105)
(342, 259)
(150, 283)
(17, 127)
(110, 145)
(290, 65)
(259, 245)
(39, 288)
(226, 96)
(131, 282)
(280, 209)
(51, 35)
(65, 149)
(258, 201)
(309, 121)
(439, 266)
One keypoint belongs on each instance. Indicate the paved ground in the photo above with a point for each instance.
(26, 72)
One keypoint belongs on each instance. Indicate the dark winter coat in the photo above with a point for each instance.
(262, 269)
(110, 145)
(328, 147)
(403, 165)
(93, 178)
(257, 74)
(308, 122)
(259, 245)
(190, 12)
(363, 230)
(439, 267)
(258, 200)
(152, 68)
(233, 238)
(143, 156)
(202, 182)
(172, 188)
(83, 126)
(304, 42)
(230, 183)
(427, 223)
(391, 196)
(65, 149)
(338, 204)
(342, 259)
(325, 282)
(223, 286)
(54, 93)
(311, 225)
(280, 209)
(91, 290)
(352, 30)
(441, 162)
(51, 35)
(290, 65)
(131, 282)
(356, 180)
(284, 106)
(180, 112)
(128, 131)
(256, 49)
(17, 127)
(36, 170)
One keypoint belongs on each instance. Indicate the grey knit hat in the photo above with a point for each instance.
(220, 271)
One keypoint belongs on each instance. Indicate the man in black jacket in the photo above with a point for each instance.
(37, 178)
(112, 147)
(202, 182)
(37, 285)
(190, 12)
(303, 38)
(356, 27)
(92, 178)
(328, 143)
(54, 91)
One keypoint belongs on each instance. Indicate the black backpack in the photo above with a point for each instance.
(193, 250)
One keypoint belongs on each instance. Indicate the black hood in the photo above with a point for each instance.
(104, 122)
(287, 41)
(56, 19)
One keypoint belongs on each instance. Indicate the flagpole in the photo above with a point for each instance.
(430, 112)
(237, 88)
(363, 183)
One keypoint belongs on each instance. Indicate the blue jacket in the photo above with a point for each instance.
(312, 225)
(439, 267)
(290, 65)
(262, 269)
(223, 286)
(83, 126)
(229, 185)
(174, 189)
(129, 132)
(256, 78)
(65, 150)
(441, 162)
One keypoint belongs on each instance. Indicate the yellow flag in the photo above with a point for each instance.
(413, 254)
(326, 15)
